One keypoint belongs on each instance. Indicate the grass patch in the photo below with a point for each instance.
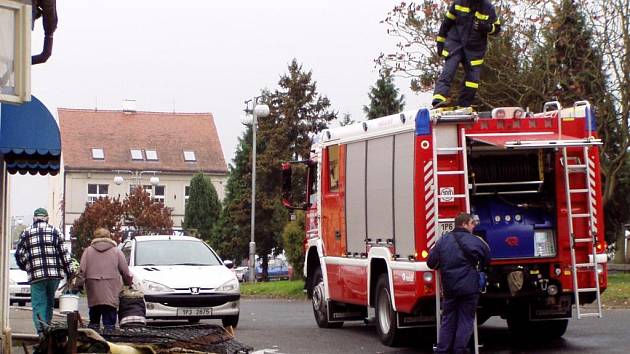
(285, 289)
(618, 292)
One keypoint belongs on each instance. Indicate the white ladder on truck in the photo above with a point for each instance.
(591, 239)
(452, 118)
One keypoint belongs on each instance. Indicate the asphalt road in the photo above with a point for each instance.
(281, 326)
(288, 327)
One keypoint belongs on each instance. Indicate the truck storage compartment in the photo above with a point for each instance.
(512, 194)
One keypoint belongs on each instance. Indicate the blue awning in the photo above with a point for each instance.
(29, 138)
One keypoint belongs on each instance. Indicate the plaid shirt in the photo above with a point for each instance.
(41, 252)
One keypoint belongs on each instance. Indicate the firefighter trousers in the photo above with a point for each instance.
(458, 319)
(472, 70)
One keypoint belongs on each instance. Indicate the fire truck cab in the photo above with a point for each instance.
(380, 193)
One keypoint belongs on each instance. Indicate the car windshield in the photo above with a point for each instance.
(174, 252)
(12, 262)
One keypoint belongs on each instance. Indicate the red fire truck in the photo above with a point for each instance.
(379, 194)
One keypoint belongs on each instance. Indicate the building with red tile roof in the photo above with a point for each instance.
(105, 152)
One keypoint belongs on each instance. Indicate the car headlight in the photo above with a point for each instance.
(229, 286)
(544, 243)
(155, 287)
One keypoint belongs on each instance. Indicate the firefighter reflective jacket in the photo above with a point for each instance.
(457, 31)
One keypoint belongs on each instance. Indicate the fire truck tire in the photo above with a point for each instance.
(386, 319)
(320, 305)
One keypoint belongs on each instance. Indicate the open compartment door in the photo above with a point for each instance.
(531, 140)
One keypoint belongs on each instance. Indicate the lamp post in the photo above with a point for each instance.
(262, 111)
(137, 177)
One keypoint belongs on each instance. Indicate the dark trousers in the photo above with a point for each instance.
(458, 317)
(472, 71)
(108, 313)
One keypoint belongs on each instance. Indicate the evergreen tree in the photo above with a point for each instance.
(203, 208)
(384, 98)
(574, 67)
(232, 231)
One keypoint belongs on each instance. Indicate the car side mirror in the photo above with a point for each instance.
(228, 264)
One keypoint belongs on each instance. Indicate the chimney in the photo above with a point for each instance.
(129, 106)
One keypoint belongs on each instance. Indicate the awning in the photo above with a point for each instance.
(29, 138)
(531, 140)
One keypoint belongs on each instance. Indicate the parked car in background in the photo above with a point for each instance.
(277, 269)
(182, 278)
(19, 287)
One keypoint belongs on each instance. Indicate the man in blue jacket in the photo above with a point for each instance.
(457, 255)
(463, 38)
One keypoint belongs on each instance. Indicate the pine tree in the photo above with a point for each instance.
(574, 67)
(203, 208)
(384, 98)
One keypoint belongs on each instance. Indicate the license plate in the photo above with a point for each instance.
(195, 311)
(446, 227)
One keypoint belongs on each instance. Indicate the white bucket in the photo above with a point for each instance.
(68, 303)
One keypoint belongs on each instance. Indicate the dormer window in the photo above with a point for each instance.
(189, 156)
(98, 154)
(136, 154)
(151, 155)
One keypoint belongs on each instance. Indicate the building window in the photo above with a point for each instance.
(96, 191)
(136, 154)
(190, 156)
(147, 188)
(151, 155)
(186, 196)
(159, 192)
(98, 154)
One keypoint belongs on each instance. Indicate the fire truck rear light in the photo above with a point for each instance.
(428, 277)
(599, 247)
(425, 254)
(552, 290)
(558, 271)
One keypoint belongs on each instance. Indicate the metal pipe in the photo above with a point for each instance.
(252, 242)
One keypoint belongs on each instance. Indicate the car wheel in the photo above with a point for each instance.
(320, 305)
(194, 320)
(230, 321)
(386, 319)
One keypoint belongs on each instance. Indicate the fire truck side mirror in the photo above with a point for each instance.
(287, 191)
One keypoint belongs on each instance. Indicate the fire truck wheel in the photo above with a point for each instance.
(386, 322)
(320, 306)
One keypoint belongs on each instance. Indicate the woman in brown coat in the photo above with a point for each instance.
(102, 265)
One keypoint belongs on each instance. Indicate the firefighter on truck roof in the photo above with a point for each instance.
(463, 38)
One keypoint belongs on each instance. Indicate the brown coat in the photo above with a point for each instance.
(102, 265)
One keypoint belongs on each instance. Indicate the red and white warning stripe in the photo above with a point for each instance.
(429, 202)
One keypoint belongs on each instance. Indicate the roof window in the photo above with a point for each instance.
(136, 154)
(151, 155)
(189, 156)
(98, 154)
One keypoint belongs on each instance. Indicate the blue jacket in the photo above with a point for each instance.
(457, 32)
(459, 273)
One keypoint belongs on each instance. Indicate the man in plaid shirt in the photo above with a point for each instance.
(42, 254)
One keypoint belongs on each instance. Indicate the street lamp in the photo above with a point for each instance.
(262, 111)
(137, 177)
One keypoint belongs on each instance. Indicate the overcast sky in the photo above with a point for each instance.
(204, 56)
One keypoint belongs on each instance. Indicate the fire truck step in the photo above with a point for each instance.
(590, 314)
(585, 215)
(584, 265)
(450, 149)
(576, 167)
(448, 196)
(578, 240)
(441, 173)
(578, 190)
(586, 290)
(446, 220)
